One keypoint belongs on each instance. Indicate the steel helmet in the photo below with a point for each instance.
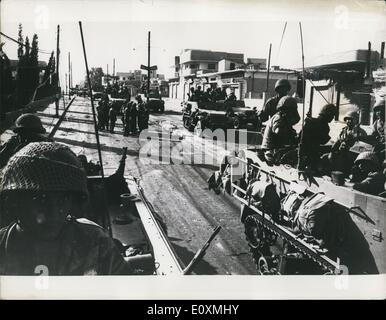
(351, 115)
(44, 166)
(287, 102)
(29, 122)
(369, 156)
(328, 109)
(282, 83)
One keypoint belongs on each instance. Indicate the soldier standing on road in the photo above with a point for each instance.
(282, 87)
(132, 118)
(143, 116)
(112, 118)
(28, 128)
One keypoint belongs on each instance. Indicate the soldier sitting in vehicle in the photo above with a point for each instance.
(282, 87)
(367, 175)
(279, 136)
(340, 158)
(378, 133)
(314, 134)
(28, 128)
(42, 191)
(231, 97)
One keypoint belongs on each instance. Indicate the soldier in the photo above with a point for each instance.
(143, 116)
(131, 119)
(103, 113)
(231, 97)
(378, 130)
(279, 136)
(340, 158)
(112, 118)
(43, 191)
(191, 95)
(367, 175)
(282, 87)
(28, 128)
(315, 133)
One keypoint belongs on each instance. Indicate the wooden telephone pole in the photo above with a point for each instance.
(69, 73)
(148, 68)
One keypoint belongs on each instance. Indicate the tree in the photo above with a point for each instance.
(20, 50)
(96, 75)
(34, 63)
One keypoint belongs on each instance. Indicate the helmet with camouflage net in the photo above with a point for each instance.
(367, 156)
(44, 166)
(287, 103)
(282, 83)
(29, 122)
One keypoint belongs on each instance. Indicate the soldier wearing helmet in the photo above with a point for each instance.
(378, 130)
(282, 88)
(314, 134)
(42, 192)
(28, 128)
(340, 158)
(279, 135)
(367, 175)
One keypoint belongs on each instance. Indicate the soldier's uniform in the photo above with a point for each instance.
(80, 247)
(112, 119)
(143, 116)
(279, 134)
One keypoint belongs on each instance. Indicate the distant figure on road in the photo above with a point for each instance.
(28, 128)
(143, 116)
(112, 119)
(130, 119)
(191, 95)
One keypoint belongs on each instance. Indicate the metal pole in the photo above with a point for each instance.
(300, 151)
(92, 102)
(69, 72)
(66, 84)
(148, 67)
(57, 71)
(72, 85)
(269, 66)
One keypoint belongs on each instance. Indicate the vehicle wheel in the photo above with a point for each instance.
(198, 129)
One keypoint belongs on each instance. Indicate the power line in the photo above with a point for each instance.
(22, 44)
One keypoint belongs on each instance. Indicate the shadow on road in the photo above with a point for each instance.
(91, 145)
(202, 267)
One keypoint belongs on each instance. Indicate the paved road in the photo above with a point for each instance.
(177, 188)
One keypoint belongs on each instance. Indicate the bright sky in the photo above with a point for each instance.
(112, 29)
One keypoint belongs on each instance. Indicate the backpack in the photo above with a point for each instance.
(314, 216)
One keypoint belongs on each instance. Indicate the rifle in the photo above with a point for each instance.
(200, 253)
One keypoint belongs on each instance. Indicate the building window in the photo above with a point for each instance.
(211, 66)
(193, 66)
(232, 66)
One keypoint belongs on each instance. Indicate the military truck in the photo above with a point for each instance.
(197, 116)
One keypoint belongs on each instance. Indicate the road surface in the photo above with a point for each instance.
(176, 187)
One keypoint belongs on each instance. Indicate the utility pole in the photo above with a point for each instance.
(114, 70)
(69, 73)
(57, 72)
(66, 84)
(148, 68)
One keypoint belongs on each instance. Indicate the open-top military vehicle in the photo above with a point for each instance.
(198, 116)
(347, 226)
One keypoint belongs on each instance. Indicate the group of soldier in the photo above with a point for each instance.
(134, 115)
(283, 145)
(210, 95)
